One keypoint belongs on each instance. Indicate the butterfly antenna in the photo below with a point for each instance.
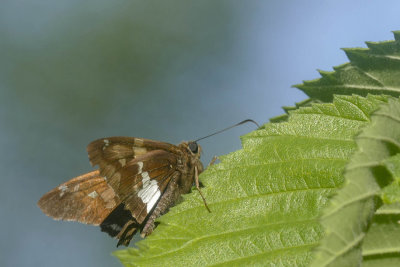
(230, 127)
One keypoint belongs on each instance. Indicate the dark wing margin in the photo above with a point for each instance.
(87, 199)
(121, 225)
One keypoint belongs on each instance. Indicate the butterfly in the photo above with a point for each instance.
(138, 180)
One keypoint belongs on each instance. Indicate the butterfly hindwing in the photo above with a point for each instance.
(87, 198)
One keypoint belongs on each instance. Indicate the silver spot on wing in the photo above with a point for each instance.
(93, 194)
(150, 192)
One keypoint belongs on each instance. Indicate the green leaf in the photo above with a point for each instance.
(372, 70)
(266, 198)
(391, 193)
(382, 243)
(372, 168)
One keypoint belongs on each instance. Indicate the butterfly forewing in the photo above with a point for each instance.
(141, 182)
(110, 153)
(87, 198)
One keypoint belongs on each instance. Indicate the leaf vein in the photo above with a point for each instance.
(311, 245)
(262, 227)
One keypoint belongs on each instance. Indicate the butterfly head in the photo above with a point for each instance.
(194, 148)
(194, 152)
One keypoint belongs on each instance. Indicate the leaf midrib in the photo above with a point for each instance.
(250, 197)
(379, 252)
(234, 167)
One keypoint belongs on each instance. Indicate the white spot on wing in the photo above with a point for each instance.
(93, 194)
(63, 188)
(154, 198)
(106, 143)
(146, 177)
(150, 192)
(76, 187)
(140, 164)
(116, 227)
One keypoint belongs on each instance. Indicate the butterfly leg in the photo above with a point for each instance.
(196, 179)
(168, 199)
(213, 160)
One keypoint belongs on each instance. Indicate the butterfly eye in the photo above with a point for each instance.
(193, 147)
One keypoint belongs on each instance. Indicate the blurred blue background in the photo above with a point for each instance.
(74, 71)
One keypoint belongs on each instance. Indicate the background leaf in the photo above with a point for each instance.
(391, 193)
(350, 212)
(266, 198)
(372, 70)
(382, 243)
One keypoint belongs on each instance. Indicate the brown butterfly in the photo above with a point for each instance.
(137, 181)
